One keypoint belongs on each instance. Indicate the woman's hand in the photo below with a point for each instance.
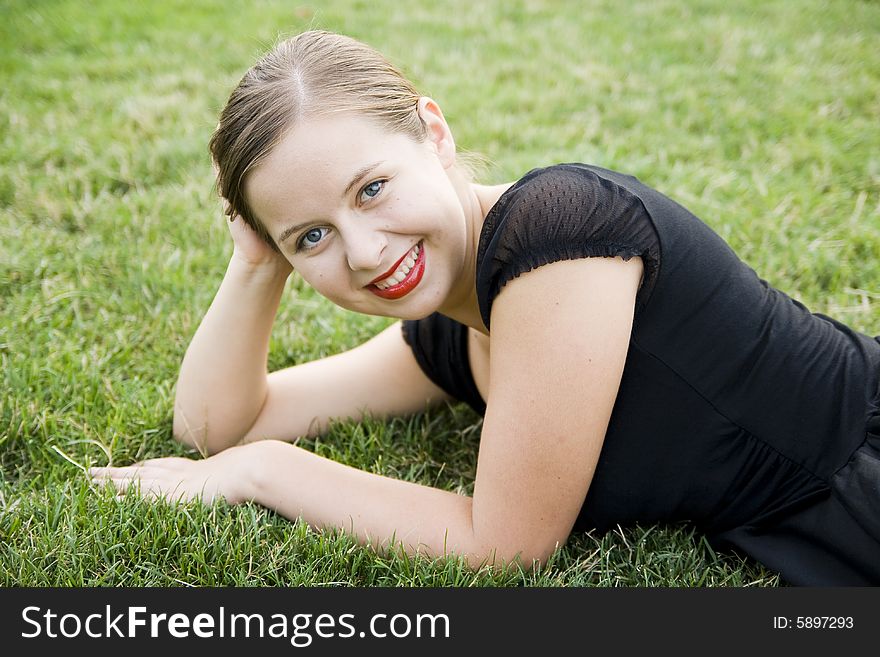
(180, 479)
(252, 250)
(248, 246)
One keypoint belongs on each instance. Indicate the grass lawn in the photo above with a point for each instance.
(761, 116)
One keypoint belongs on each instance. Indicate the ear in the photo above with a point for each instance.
(439, 136)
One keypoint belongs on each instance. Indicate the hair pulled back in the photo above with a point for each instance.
(311, 74)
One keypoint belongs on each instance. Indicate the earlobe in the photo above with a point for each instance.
(437, 131)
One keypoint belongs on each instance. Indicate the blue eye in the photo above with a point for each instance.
(310, 238)
(372, 190)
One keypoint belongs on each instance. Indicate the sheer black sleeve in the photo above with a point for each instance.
(562, 212)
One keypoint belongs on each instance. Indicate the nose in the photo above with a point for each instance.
(364, 250)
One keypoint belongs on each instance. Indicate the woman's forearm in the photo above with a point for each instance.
(222, 382)
(372, 508)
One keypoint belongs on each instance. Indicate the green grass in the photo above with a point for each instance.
(762, 117)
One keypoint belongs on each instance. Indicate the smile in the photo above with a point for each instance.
(406, 275)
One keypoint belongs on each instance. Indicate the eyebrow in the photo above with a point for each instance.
(358, 175)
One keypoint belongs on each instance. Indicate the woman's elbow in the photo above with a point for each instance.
(182, 432)
(191, 433)
(503, 557)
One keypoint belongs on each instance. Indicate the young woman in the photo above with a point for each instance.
(629, 367)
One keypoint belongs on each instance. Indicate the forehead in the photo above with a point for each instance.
(313, 163)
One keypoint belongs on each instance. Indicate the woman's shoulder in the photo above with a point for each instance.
(564, 200)
(557, 206)
(579, 173)
(560, 212)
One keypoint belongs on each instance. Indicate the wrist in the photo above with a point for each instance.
(248, 479)
(272, 269)
(237, 467)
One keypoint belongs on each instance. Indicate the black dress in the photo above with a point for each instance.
(738, 410)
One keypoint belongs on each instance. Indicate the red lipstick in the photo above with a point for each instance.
(408, 284)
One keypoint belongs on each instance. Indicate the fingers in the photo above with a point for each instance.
(173, 479)
(120, 485)
(173, 463)
(144, 479)
(120, 478)
(166, 462)
(110, 473)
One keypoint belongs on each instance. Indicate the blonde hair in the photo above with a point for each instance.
(311, 74)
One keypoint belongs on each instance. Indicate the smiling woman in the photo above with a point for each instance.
(349, 204)
(629, 366)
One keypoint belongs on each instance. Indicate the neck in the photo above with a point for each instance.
(477, 200)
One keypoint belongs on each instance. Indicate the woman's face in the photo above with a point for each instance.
(370, 219)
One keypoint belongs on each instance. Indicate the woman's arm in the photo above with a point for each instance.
(224, 395)
(567, 326)
(222, 382)
(560, 335)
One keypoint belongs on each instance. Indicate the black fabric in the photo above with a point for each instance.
(554, 216)
(739, 410)
(440, 347)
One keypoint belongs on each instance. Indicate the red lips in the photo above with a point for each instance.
(390, 271)
(410, 281)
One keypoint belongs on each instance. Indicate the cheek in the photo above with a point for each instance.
(312, 277)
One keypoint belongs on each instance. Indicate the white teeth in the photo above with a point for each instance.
(402, 271)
